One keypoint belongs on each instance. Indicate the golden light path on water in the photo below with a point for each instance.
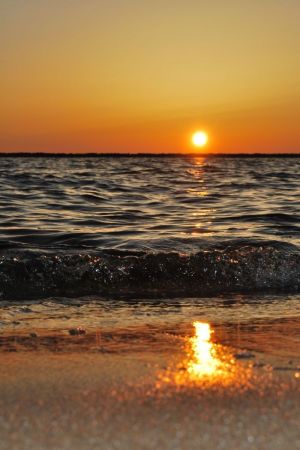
(206, 363)
(204, 360)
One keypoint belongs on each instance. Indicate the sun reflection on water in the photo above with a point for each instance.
(206, 362)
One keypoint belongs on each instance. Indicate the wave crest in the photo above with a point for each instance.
(243, 267)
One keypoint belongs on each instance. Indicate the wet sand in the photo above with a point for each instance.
(144, 384)
(96, 401)
(146, 399)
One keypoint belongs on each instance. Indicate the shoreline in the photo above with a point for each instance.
(214, 374)
(146, 398)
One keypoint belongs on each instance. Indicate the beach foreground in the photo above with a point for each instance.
(98, 401)
(158, 383)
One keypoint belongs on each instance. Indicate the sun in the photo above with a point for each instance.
(199, 138)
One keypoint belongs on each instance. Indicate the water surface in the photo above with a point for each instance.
(148, 226)
(147, 203)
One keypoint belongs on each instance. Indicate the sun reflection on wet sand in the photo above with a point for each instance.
(204, 360)
(206, 363)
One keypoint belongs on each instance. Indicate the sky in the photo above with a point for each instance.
(142, 76)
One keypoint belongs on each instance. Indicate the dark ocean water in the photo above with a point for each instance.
(157, 226)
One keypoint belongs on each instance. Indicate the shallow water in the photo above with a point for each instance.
(264, 323)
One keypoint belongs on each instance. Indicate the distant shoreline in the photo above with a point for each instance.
(145, 155)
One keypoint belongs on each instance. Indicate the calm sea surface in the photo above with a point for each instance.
(146, 226)
(147, 203)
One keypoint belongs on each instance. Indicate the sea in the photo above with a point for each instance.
(148, 226)
(113, 241)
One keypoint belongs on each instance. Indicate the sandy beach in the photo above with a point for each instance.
(177, 385)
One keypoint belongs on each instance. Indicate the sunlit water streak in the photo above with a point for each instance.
(206, 363)
(204, 360)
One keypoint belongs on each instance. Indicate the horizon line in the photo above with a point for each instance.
(145, 154)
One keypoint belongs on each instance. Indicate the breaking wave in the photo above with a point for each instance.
(245, 267)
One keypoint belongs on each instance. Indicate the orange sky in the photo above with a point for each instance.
(139, 76)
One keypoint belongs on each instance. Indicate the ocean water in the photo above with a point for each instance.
(148, 226)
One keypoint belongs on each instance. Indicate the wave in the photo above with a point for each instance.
(245, 267)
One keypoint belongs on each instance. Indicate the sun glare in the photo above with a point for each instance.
(199, 139)
(205, 361)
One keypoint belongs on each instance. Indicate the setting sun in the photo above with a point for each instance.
(199, 139)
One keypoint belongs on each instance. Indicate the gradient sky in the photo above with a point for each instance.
(140, 76)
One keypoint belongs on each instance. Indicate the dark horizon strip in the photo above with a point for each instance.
(143, 155)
